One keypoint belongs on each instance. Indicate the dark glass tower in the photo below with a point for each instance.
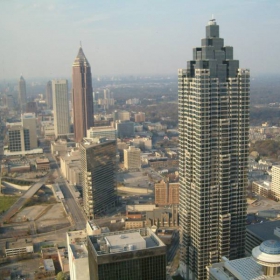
(213, 125)
(22, 93)
(82, 96)
(98, 162)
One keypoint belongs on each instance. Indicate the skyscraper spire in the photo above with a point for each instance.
(82, 98)
(81, 59)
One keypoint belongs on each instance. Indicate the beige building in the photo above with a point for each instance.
(132, 159)
(139, 117)
(78, 255)
(275, 183)
(123, 115)
(29, 122)
(108, 132)
(166, 193)
(142, 143)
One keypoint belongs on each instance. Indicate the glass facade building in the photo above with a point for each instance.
(214, 137)
(131, 261)
(98, 162)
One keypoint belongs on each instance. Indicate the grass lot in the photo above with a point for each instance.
(6, 202)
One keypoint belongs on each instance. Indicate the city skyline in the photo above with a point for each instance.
(213, 103)
(119, 36)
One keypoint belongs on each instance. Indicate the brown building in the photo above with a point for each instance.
(82, 98)
(166, 193)
(42, 164)
(139, 117)
(129, 224)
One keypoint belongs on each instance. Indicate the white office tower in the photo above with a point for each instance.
(60, 107)
(132, 158)
(213, 164)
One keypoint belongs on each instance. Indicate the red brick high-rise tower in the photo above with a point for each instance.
(82, 96)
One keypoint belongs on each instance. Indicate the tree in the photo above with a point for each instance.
(60, 276)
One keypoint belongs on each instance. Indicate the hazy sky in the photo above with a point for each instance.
(41, 38)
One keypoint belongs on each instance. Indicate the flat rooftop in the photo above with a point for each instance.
(49, 265)
(77, 233)
(42, 160)
(20, 243)
(246, 267)
(120, 241)
(88, 143)
(79, 251)
(264, 231)
(127, 240)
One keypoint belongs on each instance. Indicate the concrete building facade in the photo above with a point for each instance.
(213, 166)
(275, 182)
(61, 107)
(132, 158)
(29, 122)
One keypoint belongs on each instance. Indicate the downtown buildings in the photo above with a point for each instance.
(214, 128)
(82, 98)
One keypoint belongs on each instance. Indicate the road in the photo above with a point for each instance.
(173, 248)
(71, 204)
(22, 200)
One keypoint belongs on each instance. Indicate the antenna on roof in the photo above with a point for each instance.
(80, 43)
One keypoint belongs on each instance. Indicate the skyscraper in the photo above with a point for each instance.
(60, 107)
(22, 92)
(49, 95)
(213, 125)
(82, 98)
(98, 162)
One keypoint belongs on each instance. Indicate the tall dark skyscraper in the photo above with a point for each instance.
(22, 93)
(98, 162)
(213, 166)
(49, 98)
(82, 98)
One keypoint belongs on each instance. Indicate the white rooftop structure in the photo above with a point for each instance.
(268, 253)
(125, 242)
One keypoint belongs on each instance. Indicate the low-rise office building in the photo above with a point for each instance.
(130, 254)
(19, 247)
